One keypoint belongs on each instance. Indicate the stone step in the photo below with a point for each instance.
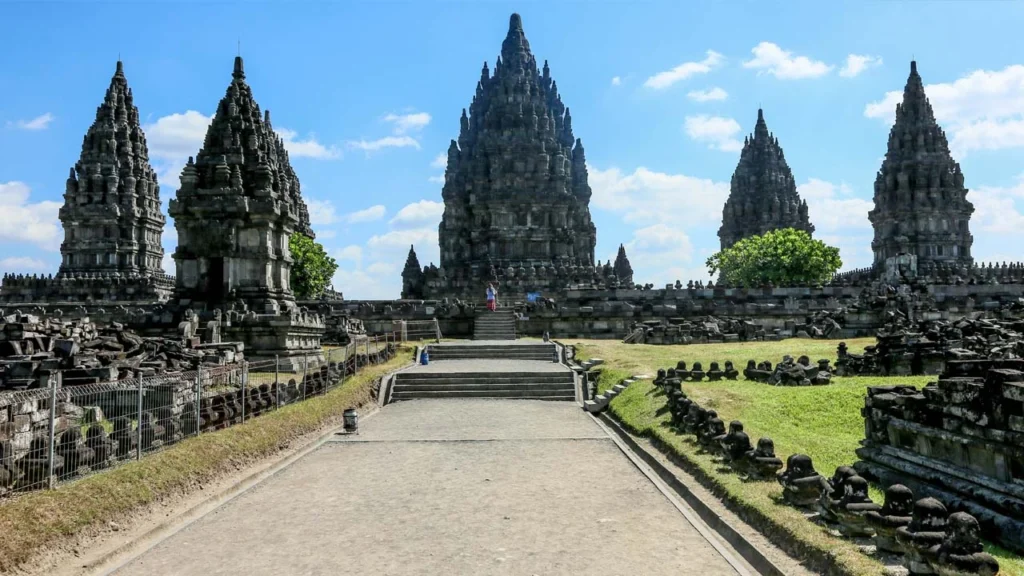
(566, 388)
(529, 376)
(531, 347)
(537, 356)
(484, 382)
(504, 394)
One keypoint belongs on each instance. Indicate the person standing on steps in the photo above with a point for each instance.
(492, 298)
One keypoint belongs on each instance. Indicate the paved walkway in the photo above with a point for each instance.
(467, 487)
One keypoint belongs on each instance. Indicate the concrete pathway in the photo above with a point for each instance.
(467, 487)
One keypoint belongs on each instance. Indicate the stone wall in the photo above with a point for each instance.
(97, 287)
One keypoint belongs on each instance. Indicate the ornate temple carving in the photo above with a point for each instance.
(921, 205)
(762, 194)
(516, 193)
(238, 204)
(111, 212)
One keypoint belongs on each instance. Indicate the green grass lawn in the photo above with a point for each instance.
(823, 422)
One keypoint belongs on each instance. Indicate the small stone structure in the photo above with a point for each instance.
(960, 439)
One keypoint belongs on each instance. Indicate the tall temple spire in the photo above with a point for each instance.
(238, 194)
(111, 213)
(762, 194)
(623, 270)
(412, 276)
(921, 205)
(516, 191)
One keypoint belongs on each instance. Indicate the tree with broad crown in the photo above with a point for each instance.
(312, 268)
(780, 257)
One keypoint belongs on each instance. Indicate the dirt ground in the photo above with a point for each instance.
(449, 487)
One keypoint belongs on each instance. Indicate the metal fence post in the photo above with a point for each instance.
(305, 373)
(53, 429)
(138, 427)
(199, 399)
(245, 380)
(277, 380)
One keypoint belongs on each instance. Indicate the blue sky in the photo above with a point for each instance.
(368, 96)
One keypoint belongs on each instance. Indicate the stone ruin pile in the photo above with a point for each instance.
(960, 439)
(929, 539)
(32, 348)
(906, 348)
(789, 372)
(702, 330)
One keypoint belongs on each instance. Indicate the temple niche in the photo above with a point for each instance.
(921, 205)
(238, 204)
(516, 194)
(762, 194)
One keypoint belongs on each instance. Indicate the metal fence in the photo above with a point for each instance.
(60, 433)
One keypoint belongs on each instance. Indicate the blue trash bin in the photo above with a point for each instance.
(424, 357)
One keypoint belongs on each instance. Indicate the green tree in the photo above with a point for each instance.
(781, 257)
(312, 268)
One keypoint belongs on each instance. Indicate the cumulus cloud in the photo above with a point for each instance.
(440, 161)
(369, 146)
(24, 221)
(171, 140)
(647, 197)
(857, 63)
(769, 58)
(353, 253)
(663, 80)
(616, 81)
(321, 212)
(41, 122)
(840, 219)
(403, 123)
(21, 264)
(983, 110)
(308, 148)
(717, 132)
(418, 215)
(367, 215)
(715, 93)
(997, 210)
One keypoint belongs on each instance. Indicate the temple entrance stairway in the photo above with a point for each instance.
(487, 369)
(497, 325)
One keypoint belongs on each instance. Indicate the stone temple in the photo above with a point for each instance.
(921, 205)
(762, 194)
(516, 195)
(238, 204)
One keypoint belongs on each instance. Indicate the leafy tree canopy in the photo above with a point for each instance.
(312, 268)
(781, 257)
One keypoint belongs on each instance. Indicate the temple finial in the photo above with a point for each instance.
(239, 72)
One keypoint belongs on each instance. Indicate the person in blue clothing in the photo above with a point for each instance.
(492, 298)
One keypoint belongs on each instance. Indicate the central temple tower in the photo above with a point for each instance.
(515, 192)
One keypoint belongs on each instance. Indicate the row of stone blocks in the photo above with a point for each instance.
(931, 543)
(787, 373)
(929, 539)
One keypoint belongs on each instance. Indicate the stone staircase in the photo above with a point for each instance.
(497, 325)
(506, 385)
(540, 351)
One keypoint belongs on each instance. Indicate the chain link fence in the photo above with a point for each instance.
(60, 433)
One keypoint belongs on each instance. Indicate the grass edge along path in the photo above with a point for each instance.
(784, 526)
(31, 523)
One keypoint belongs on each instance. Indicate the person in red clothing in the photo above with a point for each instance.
(492, 298)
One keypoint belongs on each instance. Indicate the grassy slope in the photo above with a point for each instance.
(821, 421)
(31, 522)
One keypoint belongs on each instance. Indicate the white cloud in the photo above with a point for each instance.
(321, 212)
(381, 268)
(996, 209)
(833, 207)
(983, 110)
(308, 148)
(715, 93)
(771, 59)
(718, 132)
(171, 140)
(647, 197)
(352, 253)
(616, 81)
(400, 240)
(685, 70)
(19, 264)
(21, 221)
(403, 123)
(436, 179)
(418, 215)
(857, 63)
(661, 254)
(359, 284)
(368, 215)
(385, 142)
(440, 161)
(41, 122)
